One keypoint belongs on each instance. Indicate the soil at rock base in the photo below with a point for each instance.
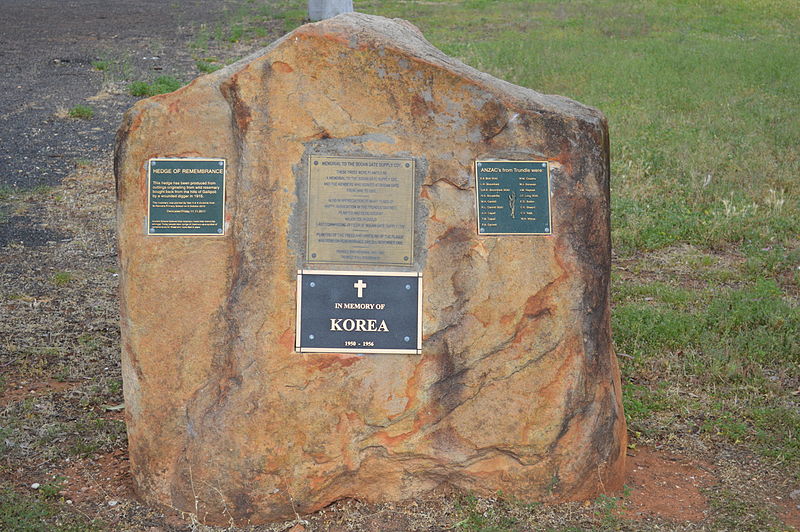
(667, 485)
(60, 393)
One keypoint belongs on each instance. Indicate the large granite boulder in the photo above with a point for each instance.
(517, 387)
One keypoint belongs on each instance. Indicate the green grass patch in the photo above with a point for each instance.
(722, 359)
(84, 112)
(479, 4)
(293, 18)
(97, 434)
(754, 322)
(62, 278)
(6, 192)
(161, 85)
(774, 261)
(115, 68)
(777, 431)
(18, 201)
(242, 22)
(37, 433)
(607, 513)
(732, 511)
(640, 402)
(646, 329)
(39, 190)
(101, 65)
(35, 513)
(50, 490)
(478, 516)
(201, 38)
(89, 343)
(207, 67)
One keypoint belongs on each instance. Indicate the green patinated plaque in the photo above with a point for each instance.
(186, 197)
(360, 210)
(513, 197)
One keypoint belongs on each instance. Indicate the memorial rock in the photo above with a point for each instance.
(513, 386)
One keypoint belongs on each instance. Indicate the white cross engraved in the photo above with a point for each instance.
(360, 286)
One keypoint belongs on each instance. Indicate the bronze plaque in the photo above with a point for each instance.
(360, 210)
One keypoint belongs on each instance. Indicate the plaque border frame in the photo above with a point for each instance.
(411, 255)
(224, 193)
(347, 350)
(478, 205)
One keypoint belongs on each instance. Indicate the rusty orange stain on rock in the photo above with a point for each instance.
(280, 66)
(505, 319)
(287, 339)
(321, 361)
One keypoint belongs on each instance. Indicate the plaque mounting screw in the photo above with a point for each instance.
(312, 284)
(408, 287)
(406, 338)
(310, 336)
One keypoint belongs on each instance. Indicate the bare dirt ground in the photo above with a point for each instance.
(61, 411)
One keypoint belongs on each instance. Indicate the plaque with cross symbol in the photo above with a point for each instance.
(359, 312)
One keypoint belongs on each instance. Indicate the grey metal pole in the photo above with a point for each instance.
(322, 9)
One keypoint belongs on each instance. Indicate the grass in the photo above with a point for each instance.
(101, 65)
(23, 513)
(733, 513)
(117, 67)
(161, 85)
(82, 162)
(737, 350)
(62, 278)
(6, 192)
(242, 22)
(17, 201)
(753, 322)
(480, 515)
(293, 18)
(84, 112)
(207, 66)
(36, 429)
